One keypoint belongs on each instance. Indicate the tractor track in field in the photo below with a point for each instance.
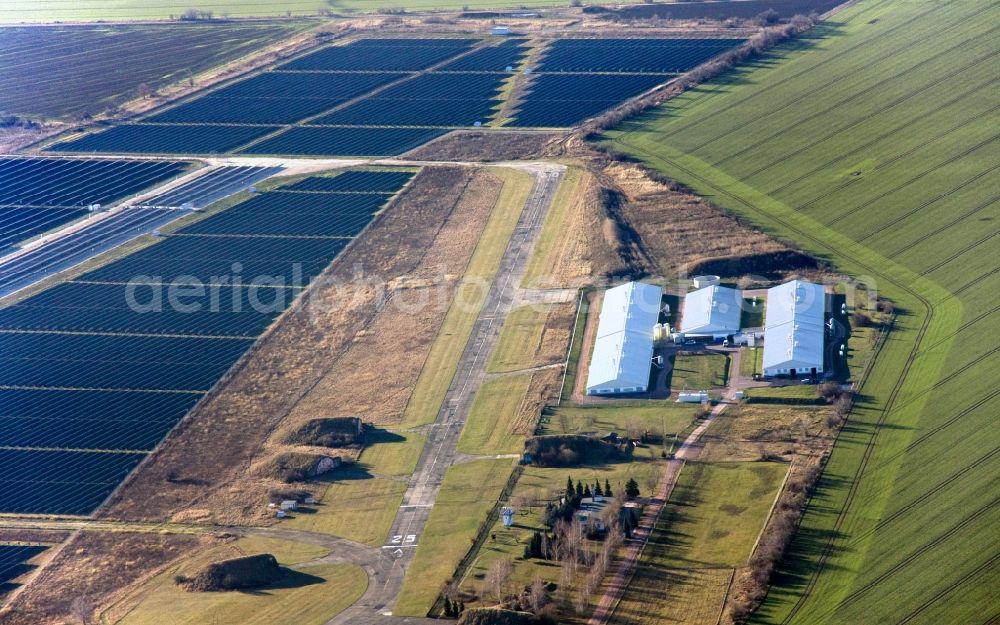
(967, 324)
(895, 129)
(839, 104)
(961, 252)
(921, 332)
(928, 171)
(837, 189)
(951, 376)
(959, 582)
(962, 217)
(847, 52)
(968, 284)
(937, 488)
(805, 96)
(932, 200)
(951, 421)
(855, 596)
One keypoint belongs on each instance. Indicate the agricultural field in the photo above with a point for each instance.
(140, 340)
(41, 194)
(872, 144)
(76, 71)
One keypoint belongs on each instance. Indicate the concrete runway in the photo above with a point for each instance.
(439, 452)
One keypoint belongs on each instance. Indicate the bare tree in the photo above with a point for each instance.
(497, 576)
(537, 595)
(82, 609)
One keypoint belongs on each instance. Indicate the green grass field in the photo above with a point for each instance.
(653, 415)
(313, 596)
(493, 417)
(355, 507)
(309, 594)
(873, 143)
(699, 371)
(707, 529)
(751, 361)
(519, 339)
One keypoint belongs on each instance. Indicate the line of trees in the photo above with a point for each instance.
(773, 544)
(753, 47)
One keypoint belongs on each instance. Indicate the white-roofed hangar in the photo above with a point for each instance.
(623, 347)
(714, 311)
(794, 329)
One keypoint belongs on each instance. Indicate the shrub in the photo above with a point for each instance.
(234, 574)
(327, 432)
(567, 451)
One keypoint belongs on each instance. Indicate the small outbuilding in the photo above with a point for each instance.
(500, 30)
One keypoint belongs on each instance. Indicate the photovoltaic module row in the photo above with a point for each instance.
(631, 55)
(344, 141)
(212, 186)
(212, 260)
(492, 59)
(276, 97)
(13, 562)
(78, 182)
(354, 182)
(60, 482)
(80, 419)
(39, 194)
(113, 366)
(167, 139)
(556, 100)
(380, 55)
(428, 100)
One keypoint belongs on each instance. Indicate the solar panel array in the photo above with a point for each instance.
(381, 97)
(96, 371)
(581, 78)
(212, 187)
(282, 111)
(14, 563)
(40, 194)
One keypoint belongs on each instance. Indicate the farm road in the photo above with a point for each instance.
(439, 453)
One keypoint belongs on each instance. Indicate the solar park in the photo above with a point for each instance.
(94, 372)
(383, 97)
(39, 194)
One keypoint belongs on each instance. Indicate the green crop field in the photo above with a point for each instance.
(873, 143)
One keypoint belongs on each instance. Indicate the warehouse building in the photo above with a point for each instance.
(623, 347)
(794, 330)
(713, 311)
